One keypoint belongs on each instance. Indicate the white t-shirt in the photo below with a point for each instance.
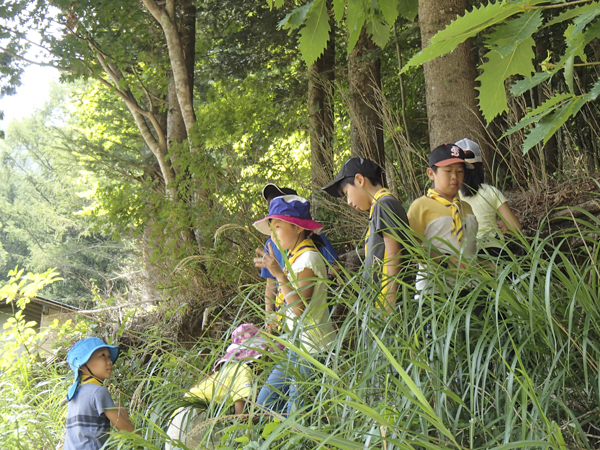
(317, 332)
(485, 206)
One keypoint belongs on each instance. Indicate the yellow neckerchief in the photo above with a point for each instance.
(381, 299)
(455, 207)
(307, 245)
(383, 192)
(88, 379)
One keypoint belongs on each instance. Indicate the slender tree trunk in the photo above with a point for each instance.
(452, 109)
(166, 17)
(321, 77)
(364, 77)
(550, 149)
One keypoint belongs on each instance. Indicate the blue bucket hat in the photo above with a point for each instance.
(80, 354)
(292, 209)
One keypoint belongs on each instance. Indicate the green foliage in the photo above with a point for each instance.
(46, 198)
(315, 31)
(377, 16)
(463, 28)
(510, 53)
(504, 359)
(492, 93)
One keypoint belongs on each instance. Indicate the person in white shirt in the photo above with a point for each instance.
(489, 204)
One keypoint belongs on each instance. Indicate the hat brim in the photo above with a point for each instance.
(262, 225)
(450, 161)
(333, 188)
(477, 159)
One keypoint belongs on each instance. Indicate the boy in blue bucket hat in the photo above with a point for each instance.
(91, 407)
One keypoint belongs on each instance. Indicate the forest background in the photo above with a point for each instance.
(141, 177)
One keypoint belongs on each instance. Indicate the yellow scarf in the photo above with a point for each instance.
(88, 379)
(383, 192)
(455, 207)
(307, 245)
(381, 299)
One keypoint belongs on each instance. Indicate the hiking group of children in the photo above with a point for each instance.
(459, 217)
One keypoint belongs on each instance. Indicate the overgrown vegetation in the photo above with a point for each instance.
(506, 359)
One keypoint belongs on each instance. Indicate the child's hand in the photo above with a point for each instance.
(268, 261)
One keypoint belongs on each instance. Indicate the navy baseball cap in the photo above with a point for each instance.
(353, 166)
(271, 190)
(448, 154)
(80, 353)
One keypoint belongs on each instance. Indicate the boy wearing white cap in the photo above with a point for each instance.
(91, 407)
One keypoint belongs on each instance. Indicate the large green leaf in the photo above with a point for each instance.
(315, 34)
(408, 9)
(296, 17)
(355, 19)
(464, 27)
(380, 32)
(389, 9)
(492, 93)
(339, 8)
(550, 124)
(541, 111)
(574, 12)
(508, 36)
(527, 83)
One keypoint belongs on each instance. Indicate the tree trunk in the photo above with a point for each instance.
(364, 77)
(452, 110)
(176, 45)
(321, 77)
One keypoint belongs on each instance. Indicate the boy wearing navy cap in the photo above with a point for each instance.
(91, 407)
(360, 181)
(440, 217)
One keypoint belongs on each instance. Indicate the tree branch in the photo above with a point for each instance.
(36, 63)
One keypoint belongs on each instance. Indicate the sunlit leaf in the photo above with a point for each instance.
(315, 33)
(464, 27)
(492, 93)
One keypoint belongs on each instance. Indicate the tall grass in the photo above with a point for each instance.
(507, 358)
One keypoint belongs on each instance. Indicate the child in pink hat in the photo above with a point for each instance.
(229, 383)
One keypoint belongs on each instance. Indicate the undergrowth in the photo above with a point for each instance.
(508, 357)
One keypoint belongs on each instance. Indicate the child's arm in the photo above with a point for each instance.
(509, 221)
(302, 291)
(303, 286)
(119, 418)
(270, 297)
(392, 264)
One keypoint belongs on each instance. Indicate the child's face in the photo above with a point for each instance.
(100, 365)
(356, 195)
(285, 234)
(448, 179)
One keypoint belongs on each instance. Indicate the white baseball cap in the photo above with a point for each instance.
(469, 146)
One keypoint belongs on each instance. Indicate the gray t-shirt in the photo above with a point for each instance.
(387, 215)
(87, 425)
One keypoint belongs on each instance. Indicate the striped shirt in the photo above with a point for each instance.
(87, 425)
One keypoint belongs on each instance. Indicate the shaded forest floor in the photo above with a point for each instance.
(556, 200)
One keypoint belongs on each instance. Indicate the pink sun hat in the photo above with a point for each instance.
(292, 209)
(248, 343)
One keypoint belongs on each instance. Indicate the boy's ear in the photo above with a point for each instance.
(359, 180)
(431, 174)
